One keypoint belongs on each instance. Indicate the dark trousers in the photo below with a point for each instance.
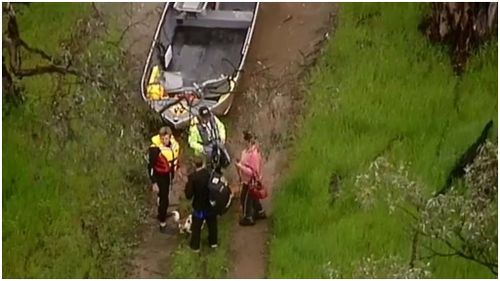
(163, 182)
(251, 206)
(211, 220)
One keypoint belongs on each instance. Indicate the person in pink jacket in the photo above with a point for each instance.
(248, 166)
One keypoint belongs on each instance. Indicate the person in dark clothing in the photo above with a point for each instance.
(162, 164)
(197, 190)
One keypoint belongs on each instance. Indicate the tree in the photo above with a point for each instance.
(15, 43)
(464, 223)
(71, 125)
(459, 223)
(390, 267)
(67, 62)
(461, 26)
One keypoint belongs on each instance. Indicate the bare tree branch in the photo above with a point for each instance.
(53, 65)
(124, 32)
(414, 247)
(96, 11)
(404, 209)
(492, 266)
(35, 50)
(130, 25)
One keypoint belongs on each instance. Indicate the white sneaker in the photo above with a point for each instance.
(214, 246)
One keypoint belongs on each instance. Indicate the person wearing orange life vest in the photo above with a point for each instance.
(162, 164)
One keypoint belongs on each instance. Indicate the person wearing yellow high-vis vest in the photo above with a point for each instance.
(162, 164)
(206, 133)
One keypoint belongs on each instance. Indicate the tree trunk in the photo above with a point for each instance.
(11, 92)
(461, 26)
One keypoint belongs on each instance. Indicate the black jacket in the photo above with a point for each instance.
(197, 189)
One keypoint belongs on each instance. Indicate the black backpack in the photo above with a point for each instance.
(219, 193)
(220, 157)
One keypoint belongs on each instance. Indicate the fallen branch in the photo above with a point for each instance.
(288, 18)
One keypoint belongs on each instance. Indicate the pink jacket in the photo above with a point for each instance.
(250, 158)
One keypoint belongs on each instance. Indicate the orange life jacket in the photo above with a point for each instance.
(168, 159)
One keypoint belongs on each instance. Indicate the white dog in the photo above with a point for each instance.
(184, 226)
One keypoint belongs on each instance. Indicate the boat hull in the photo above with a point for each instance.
(202, 56)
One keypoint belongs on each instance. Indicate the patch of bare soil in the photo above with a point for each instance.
(286, 40)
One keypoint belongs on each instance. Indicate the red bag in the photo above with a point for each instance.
(256, 189)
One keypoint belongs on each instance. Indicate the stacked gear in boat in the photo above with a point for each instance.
(164, 85)
(155, 89)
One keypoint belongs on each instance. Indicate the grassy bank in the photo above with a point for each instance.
(380, 89)
(72, 168)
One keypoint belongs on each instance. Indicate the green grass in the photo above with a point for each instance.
(46, 24)
(35, 216)
(72, 190)
(208, 263)
(378, 80)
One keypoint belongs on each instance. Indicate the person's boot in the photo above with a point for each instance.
(247, 222)
(260, 215)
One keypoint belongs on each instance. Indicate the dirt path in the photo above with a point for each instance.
(286, 36)
(151, 257)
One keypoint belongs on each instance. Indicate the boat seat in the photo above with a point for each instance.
(172, 81)
(218, 19)
(236, 6)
